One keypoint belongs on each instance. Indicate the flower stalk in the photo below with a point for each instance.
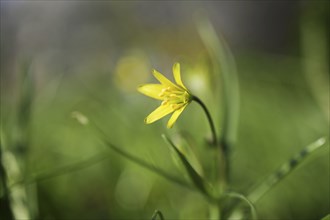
(209, 118)
(223, 160)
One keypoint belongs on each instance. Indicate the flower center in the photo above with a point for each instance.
(175, 98)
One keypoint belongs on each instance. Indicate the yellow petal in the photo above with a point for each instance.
(177, 75)
(175, 116)
(163, 80)
(158, 113)
(151, 90)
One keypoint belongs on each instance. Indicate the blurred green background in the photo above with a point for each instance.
(86, 56)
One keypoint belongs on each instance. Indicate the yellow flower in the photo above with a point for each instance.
(175, 97)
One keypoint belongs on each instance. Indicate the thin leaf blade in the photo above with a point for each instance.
(194, 176)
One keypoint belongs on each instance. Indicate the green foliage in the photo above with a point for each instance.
(156, 214)
(194, 176)
(326, 217)
(110, 165)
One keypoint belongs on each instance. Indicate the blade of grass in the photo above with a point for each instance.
(238, 214)
(225, 73)
(76, 166)
(146, 165)
(225, 67)
(90, 162)
(96, 159)
(156, 214)
(24, 110)
(315, 50)
(194, 176)
(23, 201)
(104, 139)
(284, 170)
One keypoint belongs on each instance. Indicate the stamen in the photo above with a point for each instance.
(162, 93)
(174, 106)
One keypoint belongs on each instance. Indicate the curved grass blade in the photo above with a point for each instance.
(64, 169)
(156, 214)
(284, 170)
(103, 137)
(224, 67)
(195, 177)
(239, 214)
(96, 159)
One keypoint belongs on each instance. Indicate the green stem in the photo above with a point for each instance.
(209, 118)
(222, 147)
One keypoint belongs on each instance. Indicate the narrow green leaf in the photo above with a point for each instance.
(187, 149)
(326, 217)
(59, 171)
(195, 177)
(105, 140)
(238, 214)
(284, 170)
(24, 108)
(224, 69)
(156, 214)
